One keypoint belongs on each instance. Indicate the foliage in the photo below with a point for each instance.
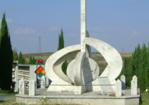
(32, 60)
(127, 70)
(6, 93)
(64, 66)
(15, 55)
(138, 65)
(21, 59)
(61, 41)
(61, 46)
(6, 56)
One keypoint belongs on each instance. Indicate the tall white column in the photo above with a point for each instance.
(83, 25)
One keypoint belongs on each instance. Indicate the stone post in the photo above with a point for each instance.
(32, 88)
(134, 86)
(123, 80)
(21, 87)
(42, 82)
(118, 91)
(16, 88)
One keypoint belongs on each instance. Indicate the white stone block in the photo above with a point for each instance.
(48, 81)
(21, 87)
(32, 88)
(42, 82)
(123, 80)
(16, 88)
(134, 86)
(118, 91)
(32, 73)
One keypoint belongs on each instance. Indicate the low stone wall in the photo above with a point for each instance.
(79, 100)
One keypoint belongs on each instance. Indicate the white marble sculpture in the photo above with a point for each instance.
(83, 72)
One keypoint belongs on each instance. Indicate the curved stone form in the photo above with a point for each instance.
(111, 55)
(82, 70)
(56, 75)
(108, 76)
(106, 82)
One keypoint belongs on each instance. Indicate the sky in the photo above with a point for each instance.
(122, 23)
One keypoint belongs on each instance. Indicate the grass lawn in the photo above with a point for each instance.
(145, 98)
(6, 93)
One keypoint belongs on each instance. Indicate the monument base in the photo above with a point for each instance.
(78, 90)
(84, 99)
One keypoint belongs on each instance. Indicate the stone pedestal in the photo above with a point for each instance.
(90, 99)
(118, 90)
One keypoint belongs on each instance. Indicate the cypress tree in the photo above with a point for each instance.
(21, 58)
(127, 70)
(6, 57)
(138, 65)
(32, 60)
(145, 66)
(64, 67)
(15, 55)
(61, 46)
(61, 40)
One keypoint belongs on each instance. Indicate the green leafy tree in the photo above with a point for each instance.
(6, 56)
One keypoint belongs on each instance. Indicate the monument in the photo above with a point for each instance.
(83, 84)
(83, 72)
